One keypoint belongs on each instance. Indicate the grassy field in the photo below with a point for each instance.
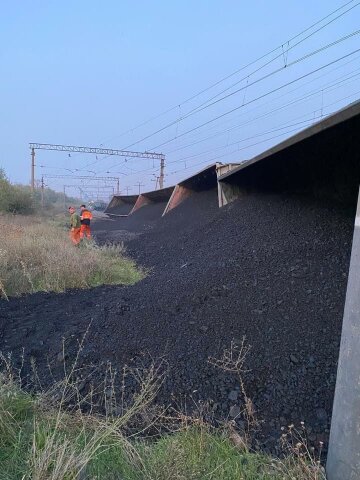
(37, 255)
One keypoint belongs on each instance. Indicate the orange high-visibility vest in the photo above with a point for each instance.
(86, 215)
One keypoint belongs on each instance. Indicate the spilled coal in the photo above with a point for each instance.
(115, 229)
(269, 267)
(121, 209)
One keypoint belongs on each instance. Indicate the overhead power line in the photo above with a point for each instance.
(273, 130)
(329, 86)
(274, 72)
(286, 64)
(326, 87)
(288, 92)
(257, 143)
(298, 60)
(253, 62)
(208, 161)
(260, 97)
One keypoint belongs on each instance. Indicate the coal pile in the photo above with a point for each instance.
(111, 230)
(143, 218)
(269, 267)
(121, 209)
(126, 228)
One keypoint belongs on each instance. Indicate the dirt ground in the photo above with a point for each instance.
(269, 267)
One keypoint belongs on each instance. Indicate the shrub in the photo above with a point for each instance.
(13, 198)
(19, 199)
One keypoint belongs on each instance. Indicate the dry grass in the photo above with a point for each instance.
(233, 361)
(38, 256)
(43, 440)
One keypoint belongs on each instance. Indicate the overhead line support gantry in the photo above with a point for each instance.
(96, 151)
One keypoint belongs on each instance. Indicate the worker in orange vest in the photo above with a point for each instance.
(85, 217)
(75, 226)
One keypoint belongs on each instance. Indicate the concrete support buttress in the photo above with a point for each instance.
(343, 461)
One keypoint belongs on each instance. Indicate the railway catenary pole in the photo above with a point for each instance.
(32, 170)
(42, 192)
(139, 185)
(156, 180)
(162, 173)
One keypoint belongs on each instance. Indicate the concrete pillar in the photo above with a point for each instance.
(343, 462)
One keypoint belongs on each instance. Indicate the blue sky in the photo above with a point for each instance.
(84, 72)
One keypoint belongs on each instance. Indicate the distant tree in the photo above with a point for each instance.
(20, 198)
(2, 174)
(20, 201)
(13, 199)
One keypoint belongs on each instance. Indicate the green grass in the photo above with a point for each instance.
(199, 454)
(42, 443)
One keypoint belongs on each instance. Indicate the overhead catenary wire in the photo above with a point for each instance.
(265, 140)
(253, 62)
(334, 12)
(329, 85)
(264, 77)
(312, 80)
(245, 139)
(233, 93)
(306, 96)
(255, 99)
(276, 58)
(298, 60)
(208, 161)
(261, 96)
(280, 127)
(242, 140)
(256, 143)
